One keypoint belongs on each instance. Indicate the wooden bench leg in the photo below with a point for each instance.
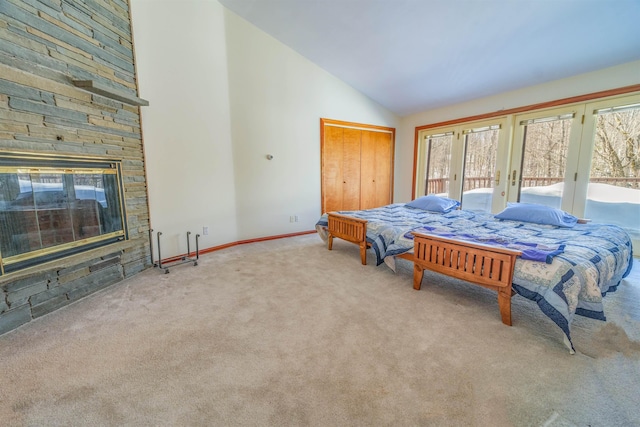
(418, 273)
(504, 302)
(363, 253)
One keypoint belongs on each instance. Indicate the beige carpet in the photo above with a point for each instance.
(285, 332)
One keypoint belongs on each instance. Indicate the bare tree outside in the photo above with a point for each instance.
(438, 164)
(479, 168)
(545, 153)
(616, 152)
(613, 195)
(480, 160)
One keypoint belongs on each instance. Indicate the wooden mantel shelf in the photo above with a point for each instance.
(104, 90)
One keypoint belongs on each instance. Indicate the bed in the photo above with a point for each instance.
(566, 271)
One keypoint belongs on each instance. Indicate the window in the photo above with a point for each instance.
(481, 148)
(55, 207)
(610, 192)
(438, 158)
(583, 158)
(541, 159)
(463, 163)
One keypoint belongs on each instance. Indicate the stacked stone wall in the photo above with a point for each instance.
(44, 46)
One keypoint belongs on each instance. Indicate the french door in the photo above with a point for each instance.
(545, 148)
(479, 172)
(583, 159)
(465, 163)
(609, 192)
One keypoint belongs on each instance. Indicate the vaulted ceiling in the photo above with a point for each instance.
(415, 55)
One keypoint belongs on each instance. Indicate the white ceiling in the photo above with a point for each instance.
(415, 55)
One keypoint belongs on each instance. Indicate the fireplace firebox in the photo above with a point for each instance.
(54, 206)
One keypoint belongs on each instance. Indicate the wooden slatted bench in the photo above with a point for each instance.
(487, 266)
(348, 228)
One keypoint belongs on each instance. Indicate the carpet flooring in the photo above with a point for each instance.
(287, 333)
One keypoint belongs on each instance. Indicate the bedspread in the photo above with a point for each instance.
(586, 261)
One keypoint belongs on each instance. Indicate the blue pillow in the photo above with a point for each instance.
(434, 204)
(539, 214)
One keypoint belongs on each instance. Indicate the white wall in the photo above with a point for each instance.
(223, 95)
(182, 71)
(609, 78)
(277, 98)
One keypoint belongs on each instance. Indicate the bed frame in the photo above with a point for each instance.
(487, 266)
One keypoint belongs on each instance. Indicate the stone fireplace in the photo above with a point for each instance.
(73, 202)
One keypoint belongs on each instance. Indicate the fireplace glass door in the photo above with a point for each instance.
(55, 208)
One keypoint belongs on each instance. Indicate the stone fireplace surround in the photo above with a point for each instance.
(44, 48)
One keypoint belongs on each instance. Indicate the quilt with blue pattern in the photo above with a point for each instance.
(568, 272)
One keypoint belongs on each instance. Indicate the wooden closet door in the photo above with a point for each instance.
(376, 162)
(351, 170)
(341, 169)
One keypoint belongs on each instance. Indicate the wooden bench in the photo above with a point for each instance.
(487, 266)
(348, 228)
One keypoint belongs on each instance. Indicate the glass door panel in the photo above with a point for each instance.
(52, 207)
(543, 161)
(438, 164)
(481, 148)
(613, 192)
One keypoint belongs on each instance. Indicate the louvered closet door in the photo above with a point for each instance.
(341, 169)
(376, 161)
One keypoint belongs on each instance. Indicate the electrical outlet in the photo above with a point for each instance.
(296, 217)
(292, 218)
(205, 231)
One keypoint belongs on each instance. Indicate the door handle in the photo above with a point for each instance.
(497, 178)
(513, 178)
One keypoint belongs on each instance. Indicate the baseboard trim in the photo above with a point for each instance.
(239, 242)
